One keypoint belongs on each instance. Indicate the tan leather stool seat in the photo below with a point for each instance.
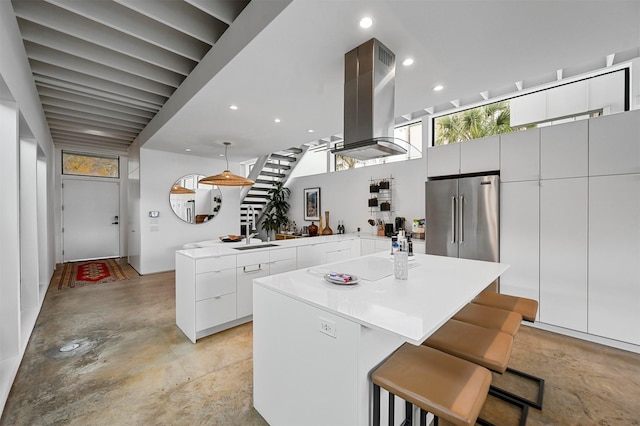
(490, 317)
(483, 346)
(448, 387)
(528, 308)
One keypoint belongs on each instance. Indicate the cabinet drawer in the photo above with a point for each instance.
(253, 258)
(217, 283)
(279, 266)
(215, 311)
(211, 264)
(282, 254)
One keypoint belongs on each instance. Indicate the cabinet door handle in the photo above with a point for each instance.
(453, 220)
(244, 269)
(461, 219)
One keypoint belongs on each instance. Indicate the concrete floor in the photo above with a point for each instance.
(134, 367)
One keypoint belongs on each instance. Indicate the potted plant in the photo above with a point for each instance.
(384, 184)
(275, 212)
(373, 202)
(374, 187)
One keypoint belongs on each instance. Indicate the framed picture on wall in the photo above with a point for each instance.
(312, 204)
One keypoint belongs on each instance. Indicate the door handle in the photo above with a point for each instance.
(115, 220)
(453, 220)
(244, 269)
(461, 220)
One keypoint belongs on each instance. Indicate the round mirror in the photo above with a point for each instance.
(193, 202)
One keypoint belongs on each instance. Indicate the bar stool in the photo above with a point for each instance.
(448, 387)
(486, 347)
(528, 308)
(489, 317)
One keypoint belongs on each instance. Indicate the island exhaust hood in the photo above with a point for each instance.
(369, 91)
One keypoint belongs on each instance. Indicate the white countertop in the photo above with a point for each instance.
(216, 248)
(413, 309)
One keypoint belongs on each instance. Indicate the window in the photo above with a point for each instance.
(90, 165)
(473, 123)
(588, 97)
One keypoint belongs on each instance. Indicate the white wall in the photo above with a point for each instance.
(161, 237)
(345, 193)
(21, 116)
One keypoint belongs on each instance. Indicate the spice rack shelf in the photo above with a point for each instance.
(380, 196)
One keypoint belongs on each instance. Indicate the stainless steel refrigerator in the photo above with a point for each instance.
(462, 217)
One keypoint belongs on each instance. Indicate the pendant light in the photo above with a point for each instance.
(177, 189)
(226, 178)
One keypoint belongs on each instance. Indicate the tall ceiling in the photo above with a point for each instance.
(103, 69)
(151, 66)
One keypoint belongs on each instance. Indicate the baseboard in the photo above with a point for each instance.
(585, 336)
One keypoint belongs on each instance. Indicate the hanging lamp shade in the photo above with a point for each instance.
(177, 189)
(226, 178)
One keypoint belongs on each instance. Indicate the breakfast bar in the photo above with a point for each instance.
(315, 342)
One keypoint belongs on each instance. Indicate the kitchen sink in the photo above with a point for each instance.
(257, 246)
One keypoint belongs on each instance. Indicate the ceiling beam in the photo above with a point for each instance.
(85, 29)
(59, 42)
(139, 26)
(182, 17)
(73, 77)
(225, 10)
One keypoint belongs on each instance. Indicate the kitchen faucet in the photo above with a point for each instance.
(251, 218)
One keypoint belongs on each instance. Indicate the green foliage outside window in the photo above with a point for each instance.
(474, 123)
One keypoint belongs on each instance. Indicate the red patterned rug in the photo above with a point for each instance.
(79, 274)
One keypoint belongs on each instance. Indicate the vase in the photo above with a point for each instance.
(320, 225)
(313, 229)
(327, 230)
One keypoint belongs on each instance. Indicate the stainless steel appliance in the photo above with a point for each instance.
(462, 217)
(369, 91)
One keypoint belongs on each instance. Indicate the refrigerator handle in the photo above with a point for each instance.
(461, 220)
(453, 220)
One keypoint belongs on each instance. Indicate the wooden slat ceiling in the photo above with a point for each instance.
(103, 69)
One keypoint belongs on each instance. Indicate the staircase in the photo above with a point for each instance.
(267, 170)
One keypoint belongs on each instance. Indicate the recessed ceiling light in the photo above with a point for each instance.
(310, 130)
(407, 62)
(366, 22)
(438, 88)
(277, 120)
(233, 107)
(188, 149)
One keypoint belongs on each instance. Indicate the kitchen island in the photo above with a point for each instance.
(315, 343)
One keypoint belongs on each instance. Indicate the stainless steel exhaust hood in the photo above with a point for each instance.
(369, 91)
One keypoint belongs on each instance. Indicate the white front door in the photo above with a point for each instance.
(90, 210)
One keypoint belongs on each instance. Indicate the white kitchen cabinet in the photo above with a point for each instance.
(564, 150)
(249, 266)
(614, 144)
(311, 255)
(443, 160)
(282, 260)
(563, 253)
(367, 246)
(337, 250)
(520, 156)
(205, 294)
(520, 238)
(614, 257)
(480, 155)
